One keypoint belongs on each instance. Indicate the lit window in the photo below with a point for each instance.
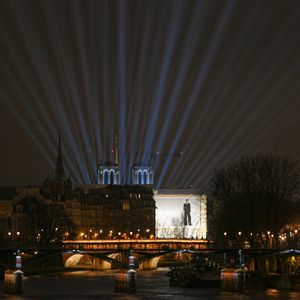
(126, 205)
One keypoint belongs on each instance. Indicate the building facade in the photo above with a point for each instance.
(103, 210)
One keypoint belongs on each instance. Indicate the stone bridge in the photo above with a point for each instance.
(105, 254)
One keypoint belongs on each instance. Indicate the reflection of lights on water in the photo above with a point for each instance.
(272, 293)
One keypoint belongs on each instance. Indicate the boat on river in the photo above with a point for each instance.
(195, 274)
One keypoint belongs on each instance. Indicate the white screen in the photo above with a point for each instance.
(179, 216)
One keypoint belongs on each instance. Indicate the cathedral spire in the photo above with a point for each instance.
(116, 150)
(59, 172)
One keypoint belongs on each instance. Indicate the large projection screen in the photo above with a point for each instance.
(180, 215)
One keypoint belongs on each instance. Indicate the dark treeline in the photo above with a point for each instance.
(255, 197)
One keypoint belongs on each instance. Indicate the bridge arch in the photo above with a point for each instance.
(86, 261)
(79, 261)
(149, 264)
(105, 264)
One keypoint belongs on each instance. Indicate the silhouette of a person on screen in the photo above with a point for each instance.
(187, 213)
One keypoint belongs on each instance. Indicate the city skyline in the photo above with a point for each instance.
(212, 80)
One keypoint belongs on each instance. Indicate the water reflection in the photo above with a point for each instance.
(98, 285)
(276, 294)
(272, 293)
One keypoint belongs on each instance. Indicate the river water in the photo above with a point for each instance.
(98, 285)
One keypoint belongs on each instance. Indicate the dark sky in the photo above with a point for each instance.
(213, 79)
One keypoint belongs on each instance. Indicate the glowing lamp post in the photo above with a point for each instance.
(239, 238)
(100, 234)
(225, 239)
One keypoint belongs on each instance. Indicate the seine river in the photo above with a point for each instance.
(150, 285)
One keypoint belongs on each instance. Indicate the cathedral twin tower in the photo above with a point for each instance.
(109, 172)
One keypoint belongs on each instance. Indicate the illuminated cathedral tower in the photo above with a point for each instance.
(142, 174)
(109, 172)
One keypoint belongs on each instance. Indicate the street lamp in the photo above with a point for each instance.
(147, 231)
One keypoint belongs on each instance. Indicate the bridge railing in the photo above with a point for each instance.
(136, 244)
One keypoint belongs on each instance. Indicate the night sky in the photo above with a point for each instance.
(214, 80)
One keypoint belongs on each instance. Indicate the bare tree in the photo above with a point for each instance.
(46, 224)
(254, 196)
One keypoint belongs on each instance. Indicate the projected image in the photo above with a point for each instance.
(178, 216)
(187, 213)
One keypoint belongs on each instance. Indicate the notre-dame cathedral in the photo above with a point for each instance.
(109, 172)
(106, 209)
